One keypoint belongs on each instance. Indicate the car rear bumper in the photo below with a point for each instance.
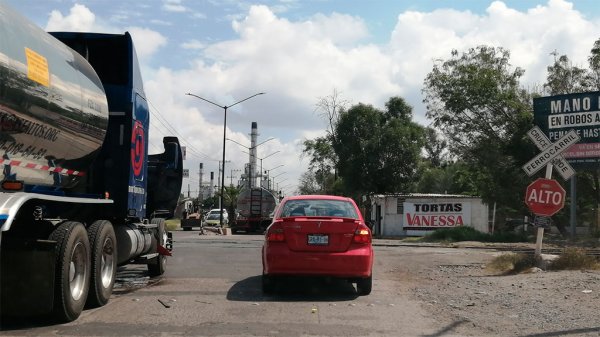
(356, 262)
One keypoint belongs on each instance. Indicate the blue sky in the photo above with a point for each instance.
(297, 51)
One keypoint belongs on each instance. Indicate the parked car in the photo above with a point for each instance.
(318, 235)
(213, 217)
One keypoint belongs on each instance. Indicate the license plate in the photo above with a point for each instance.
(318, 239)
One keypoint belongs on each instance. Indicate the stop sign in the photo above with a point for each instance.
(544, 197)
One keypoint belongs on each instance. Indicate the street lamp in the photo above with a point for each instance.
(268, 172)
(224, 107)
(261, 160)
(261, 170)
(251, 147)
(271, 169)
(250, 180)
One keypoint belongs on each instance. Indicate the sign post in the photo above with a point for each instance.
(545, 196)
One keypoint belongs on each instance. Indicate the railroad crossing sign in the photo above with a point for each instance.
(545, 197)
(542, 142)
(550, 151)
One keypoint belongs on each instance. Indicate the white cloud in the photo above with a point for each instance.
(421, 37)
(80, 19)
(174, 6)
(193, 44)
(146, 41)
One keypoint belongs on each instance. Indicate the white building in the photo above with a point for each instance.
(419, 214)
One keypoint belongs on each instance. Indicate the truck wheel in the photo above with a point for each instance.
(104, 262)
(72, 270)
(158, 265)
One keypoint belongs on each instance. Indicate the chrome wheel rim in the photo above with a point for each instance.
(107, 262)
(78, 271)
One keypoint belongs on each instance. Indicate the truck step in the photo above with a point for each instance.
(147, 257)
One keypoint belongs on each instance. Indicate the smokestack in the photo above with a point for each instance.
(252, 161)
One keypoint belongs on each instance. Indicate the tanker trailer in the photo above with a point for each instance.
(79, 193)
(254, 210)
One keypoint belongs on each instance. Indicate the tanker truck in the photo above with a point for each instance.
(79, 194)
(254, 210)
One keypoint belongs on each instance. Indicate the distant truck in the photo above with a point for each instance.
(79, 195)
(254, 212)
(190, 216)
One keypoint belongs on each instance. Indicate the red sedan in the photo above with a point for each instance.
(318, 235)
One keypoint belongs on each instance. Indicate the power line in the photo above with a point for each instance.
(165, 123)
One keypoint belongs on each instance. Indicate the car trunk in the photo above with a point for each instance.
(325, 234)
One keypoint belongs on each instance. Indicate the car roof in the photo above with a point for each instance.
(317, 197)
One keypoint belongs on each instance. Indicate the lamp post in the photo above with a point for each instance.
(250, 148)
(269, 172)
(224, 107)
(261, 169)
(231, 176)
(275, 176)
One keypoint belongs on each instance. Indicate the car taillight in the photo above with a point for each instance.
(275, 233)
(362, 235)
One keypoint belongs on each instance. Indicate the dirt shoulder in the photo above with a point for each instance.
(467, 299)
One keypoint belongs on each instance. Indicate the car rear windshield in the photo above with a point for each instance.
(319, 207)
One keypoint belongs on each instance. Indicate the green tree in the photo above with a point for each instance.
(323, 159)
(452, 178)
(378, 150)
(476, 100)
(322, 162)
(435, 148)
(230, 197)
(564, 78)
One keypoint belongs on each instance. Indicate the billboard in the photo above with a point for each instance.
(557, 115)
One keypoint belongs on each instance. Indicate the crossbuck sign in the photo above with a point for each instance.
(551, 152)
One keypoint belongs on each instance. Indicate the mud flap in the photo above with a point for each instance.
(27, 277)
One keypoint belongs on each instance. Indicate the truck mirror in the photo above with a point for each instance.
(172, 151)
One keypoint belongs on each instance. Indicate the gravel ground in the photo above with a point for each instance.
(468, 299)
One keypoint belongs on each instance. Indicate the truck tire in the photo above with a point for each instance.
(72, 270)
(104, 262)
(158, 265)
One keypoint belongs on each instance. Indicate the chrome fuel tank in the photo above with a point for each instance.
(53, 108)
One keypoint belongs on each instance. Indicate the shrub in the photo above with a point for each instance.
(464, 233)
(574, 259)
(172, 224)
(512, 263)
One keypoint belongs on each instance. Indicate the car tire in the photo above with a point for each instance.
(268, 284)
(364, 285)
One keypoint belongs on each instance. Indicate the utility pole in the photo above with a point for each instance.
(200, 194)
(231, 176)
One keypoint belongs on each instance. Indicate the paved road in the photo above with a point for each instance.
(212, 288)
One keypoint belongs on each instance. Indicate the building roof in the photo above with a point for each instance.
(426, 195)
